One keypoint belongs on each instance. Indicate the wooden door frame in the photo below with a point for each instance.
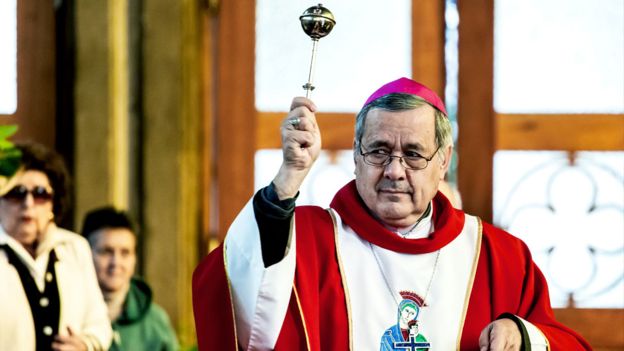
(235, 111)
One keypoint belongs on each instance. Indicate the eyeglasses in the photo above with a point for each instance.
(19, 193)
(411, 160)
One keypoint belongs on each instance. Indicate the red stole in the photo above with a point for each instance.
(506, 280)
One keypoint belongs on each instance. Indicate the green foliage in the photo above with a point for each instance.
(9, 155)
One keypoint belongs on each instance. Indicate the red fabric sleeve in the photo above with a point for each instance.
(508, 281)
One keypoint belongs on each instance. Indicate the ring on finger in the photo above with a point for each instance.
(295, 121)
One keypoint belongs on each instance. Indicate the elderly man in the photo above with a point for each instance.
(391, 265)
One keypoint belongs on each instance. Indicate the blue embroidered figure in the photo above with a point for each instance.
(405, 335)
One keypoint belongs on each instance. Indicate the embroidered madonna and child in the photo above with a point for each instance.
(405, 335)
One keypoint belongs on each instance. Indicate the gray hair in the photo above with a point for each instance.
(404, 102)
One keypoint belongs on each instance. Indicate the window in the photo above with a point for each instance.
(562, 60)
(8, 57)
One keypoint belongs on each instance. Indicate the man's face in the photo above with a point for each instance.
(396, 195)
(114, 256)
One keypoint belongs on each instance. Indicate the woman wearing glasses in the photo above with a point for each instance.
(49, 296)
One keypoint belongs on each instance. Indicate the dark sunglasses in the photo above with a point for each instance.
(18, 194)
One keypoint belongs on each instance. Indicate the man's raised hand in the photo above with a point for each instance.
(301, 146)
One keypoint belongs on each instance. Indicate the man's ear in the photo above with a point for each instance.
(445, 163)
(356, 152)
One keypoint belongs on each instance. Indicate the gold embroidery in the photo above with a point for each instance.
(227, 277)
(342, 276)
(475, 262)
(305, 328)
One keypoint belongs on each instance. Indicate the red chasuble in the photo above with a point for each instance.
(506, 281)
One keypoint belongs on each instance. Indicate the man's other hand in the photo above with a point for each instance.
(500, 335)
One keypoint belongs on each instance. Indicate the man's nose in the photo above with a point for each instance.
(394, 169)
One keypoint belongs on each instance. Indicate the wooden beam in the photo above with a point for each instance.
(560, 132)
(171, 155)
(475, 114)
(337, 130)
(118, 89)
(208, 143)
(92, 116)
(235, 116)
(428, 28)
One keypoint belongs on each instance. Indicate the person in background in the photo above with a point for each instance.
(138, 322)
(49, 296)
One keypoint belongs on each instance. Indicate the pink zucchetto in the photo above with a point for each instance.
(408, 86)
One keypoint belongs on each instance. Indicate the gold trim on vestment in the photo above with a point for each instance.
(227, 277)
(342, 276)
(305, 328)
(545, 338)
(475, 263)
